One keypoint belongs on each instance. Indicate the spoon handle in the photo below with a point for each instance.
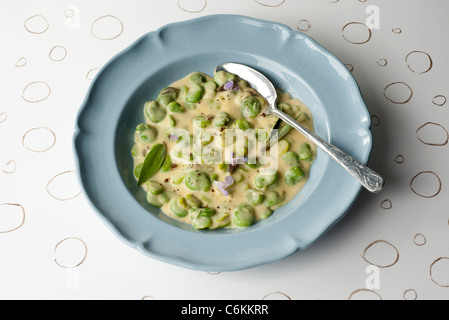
(371, 180)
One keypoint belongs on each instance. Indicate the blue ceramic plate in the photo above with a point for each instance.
(294, 62)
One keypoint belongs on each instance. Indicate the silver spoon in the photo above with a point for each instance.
(371, 180)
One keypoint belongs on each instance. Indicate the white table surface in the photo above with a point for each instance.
(391, 245)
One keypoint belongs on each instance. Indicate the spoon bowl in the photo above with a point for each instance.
(369, 179)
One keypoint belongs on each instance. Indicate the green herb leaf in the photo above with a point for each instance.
(152, 163)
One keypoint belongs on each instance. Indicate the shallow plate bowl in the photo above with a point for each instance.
(294, 63)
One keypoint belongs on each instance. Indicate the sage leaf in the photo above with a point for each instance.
(152, 163)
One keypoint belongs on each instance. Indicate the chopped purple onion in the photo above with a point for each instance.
(223, 186)
(228, 85)
(229, 180)
(173, 137)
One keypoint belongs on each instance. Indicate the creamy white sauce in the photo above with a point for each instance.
(209, 106)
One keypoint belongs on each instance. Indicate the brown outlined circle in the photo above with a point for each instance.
(271, 5)
(408, 292)
(92, 73)
(38, 99)
(9, 167)
(399, 159)
(386, 204)
(350, 24)
(399, 83)
(214, 273)
(439, 100)
(23, 216)
(419, 239)
(82, 259)
(364, 290)
(303, 25)
(277, 293)
(21, 62)
(102, 19)
(3, 116)
(421, 53)
(431, 272)
(422, 195)
(69, 13)
(36, 16)
(397, 30)
(38, 150)
(55, 177)
(192, 11)
(382, 62)
(384, 242)
(433, 143)
(350, 67)
(52, 56)
(148, 297)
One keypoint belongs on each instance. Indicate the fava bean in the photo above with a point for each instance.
(254, 197)
(197, 181)
(201, 212)
(250, 107)
(167, 196)
(243, 124)
(155, 187)
(221, 120)
(283, 146)
(197, 77)
(193, 201)
(294, 175)
(210, 87)
(267, 212)
(201, 122)
(179, 207)
(220, 220)
(137, 170)
(167, 95)
(272, 198)
(201, 223)
(266, 179)
(244, 215)
(145, 133)
(154, 200)
(175, 107)
(291, 158)
(178, 178)
(305, 152)
(154, 111)
(221, 77)
(135, 150)
(195, 93)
